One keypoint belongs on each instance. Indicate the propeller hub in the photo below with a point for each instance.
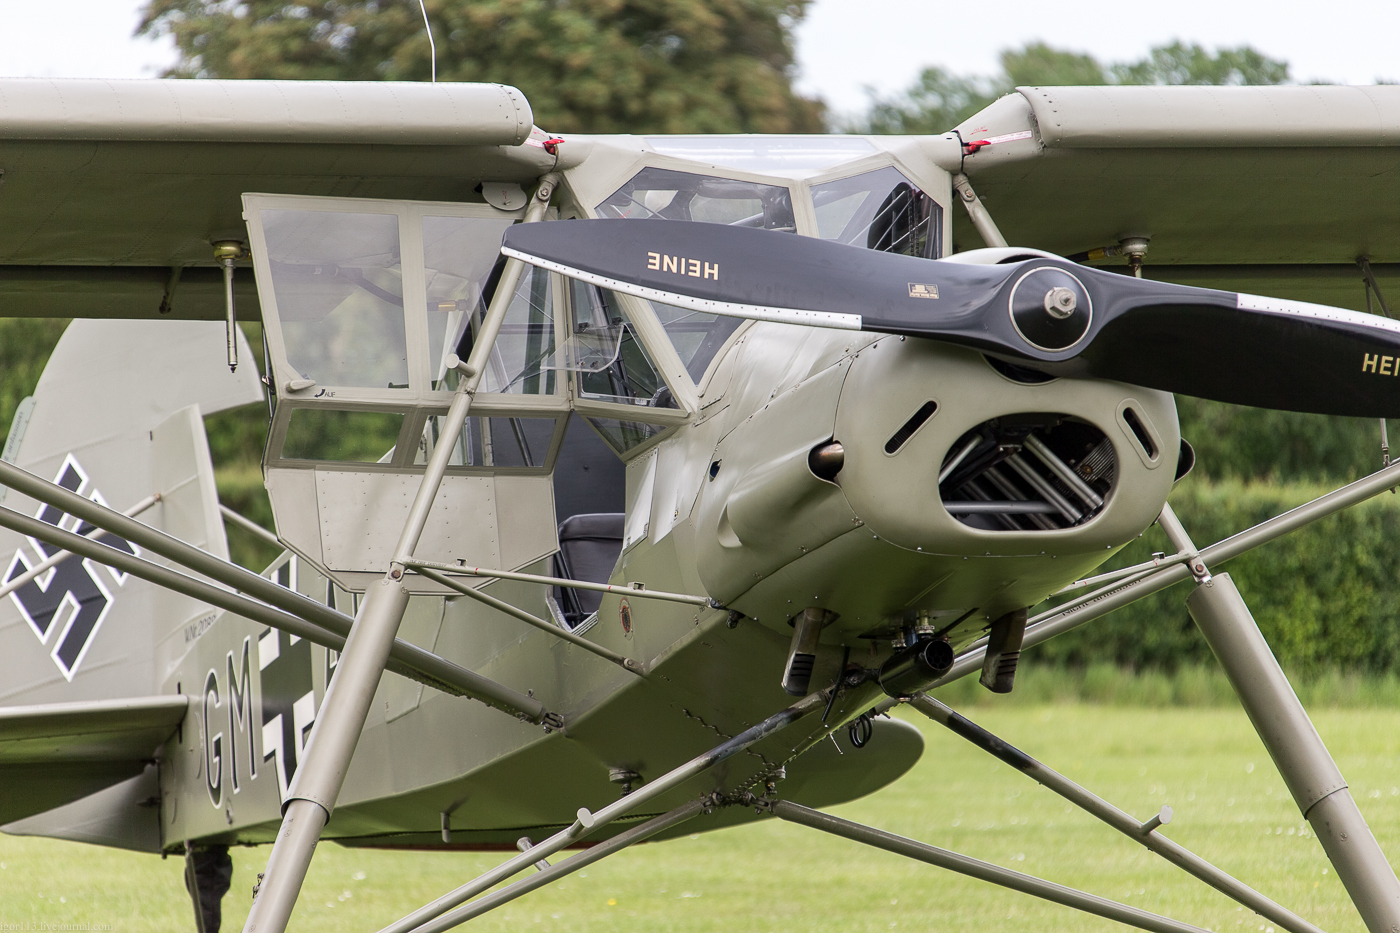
(1060, 302)
(1050, 309)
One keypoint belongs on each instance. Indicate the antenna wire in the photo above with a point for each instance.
(432, 46)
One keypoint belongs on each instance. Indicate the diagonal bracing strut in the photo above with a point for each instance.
(554, 872)
(418, 920)
(1145, 834)
(444, 676)
(976, 868)
(501, 605)
(1302, 759)
(58, 557)
(635, 590)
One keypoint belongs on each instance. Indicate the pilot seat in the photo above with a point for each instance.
(589, 546)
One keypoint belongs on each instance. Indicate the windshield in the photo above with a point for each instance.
(668, 195)
(612, 365)
(696, 335)
(517, 362)
(880, 210)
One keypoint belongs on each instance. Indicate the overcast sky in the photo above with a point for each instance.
(846, 45)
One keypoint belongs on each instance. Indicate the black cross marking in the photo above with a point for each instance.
(72, 585)
(285, 665)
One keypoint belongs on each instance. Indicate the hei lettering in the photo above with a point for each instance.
(1380, 365)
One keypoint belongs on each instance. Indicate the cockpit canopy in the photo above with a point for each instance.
(364, 302)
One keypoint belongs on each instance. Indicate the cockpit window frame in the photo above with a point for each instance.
(417, 402)
(850, 171)
(410, 218)
(586, 199)
(588, 191)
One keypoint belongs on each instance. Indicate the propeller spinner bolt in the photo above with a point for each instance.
(1060, 302)
(1050, 308)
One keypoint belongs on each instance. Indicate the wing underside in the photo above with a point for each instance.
(107, 188)
(1263, 190)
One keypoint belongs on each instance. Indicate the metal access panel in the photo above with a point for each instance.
(363, 301)
(348, 522)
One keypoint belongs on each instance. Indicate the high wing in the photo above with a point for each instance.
(1268, 190)
(107, 186)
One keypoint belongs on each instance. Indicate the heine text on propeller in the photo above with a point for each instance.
(682, 266)
(1388, 365)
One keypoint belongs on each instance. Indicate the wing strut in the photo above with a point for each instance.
(585, 858)
(405, 659)
(1144, 834)
(58, 557)
(1279, 718)
(420, 920)
(1293, 743)
(977, 213)
(410, 660)
(964, 865)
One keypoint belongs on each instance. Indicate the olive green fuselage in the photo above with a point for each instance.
(735, 513)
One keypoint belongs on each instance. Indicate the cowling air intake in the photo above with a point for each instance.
(1050, 315)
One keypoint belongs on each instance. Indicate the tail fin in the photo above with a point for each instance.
(116, 417)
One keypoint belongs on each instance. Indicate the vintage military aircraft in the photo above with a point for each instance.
(643, 481)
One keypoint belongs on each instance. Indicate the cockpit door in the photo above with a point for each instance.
(362, 303)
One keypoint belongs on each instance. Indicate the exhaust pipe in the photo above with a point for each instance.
(910, 670)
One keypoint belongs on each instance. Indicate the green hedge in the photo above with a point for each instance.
(241, 489)
(1326, 596)
(1233, 442)
(25, 345)
(1192, 685)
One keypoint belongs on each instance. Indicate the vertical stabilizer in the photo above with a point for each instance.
(116, 418)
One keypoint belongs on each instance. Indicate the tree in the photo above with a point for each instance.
(1039, 65)
(939, 101)
(599, 66)
(1191, 64)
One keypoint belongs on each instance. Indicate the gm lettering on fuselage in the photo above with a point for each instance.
(679, 265)
(246, 733)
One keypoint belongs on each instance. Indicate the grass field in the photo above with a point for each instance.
(1231, 807)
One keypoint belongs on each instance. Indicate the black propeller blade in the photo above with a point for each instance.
(1051, 315)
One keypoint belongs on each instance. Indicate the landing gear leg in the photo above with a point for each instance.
(1296, 748)
(208, 874)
